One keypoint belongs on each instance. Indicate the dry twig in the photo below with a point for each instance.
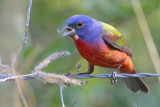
(49, 59)
(75, 101)
(14, 61)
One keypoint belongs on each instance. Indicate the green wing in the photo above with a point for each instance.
(115, 39)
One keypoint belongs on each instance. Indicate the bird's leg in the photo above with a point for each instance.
(90, 69)
(113, 75)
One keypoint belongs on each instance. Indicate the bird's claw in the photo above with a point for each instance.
(113, 77)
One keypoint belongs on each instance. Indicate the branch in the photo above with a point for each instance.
(75, 101)
(27, 22)
(14, 61)
(4, 68)
(49, 59)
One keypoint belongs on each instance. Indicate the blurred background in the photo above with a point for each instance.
(49, 15)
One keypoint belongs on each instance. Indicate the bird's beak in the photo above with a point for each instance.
(68, 31)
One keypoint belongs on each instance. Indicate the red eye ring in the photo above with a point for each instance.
(80, 24)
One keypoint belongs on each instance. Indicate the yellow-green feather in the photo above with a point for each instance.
(110, 29)
(112, 32)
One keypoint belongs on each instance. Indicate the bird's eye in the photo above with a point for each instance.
(80, 24)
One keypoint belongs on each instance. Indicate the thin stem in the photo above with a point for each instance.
(75, 101)
(61, 91)
(27, 22)
(18, 52)
(19, 88)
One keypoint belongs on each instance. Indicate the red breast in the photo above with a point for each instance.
(101, 54)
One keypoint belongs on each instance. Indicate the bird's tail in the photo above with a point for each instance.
(136, 84)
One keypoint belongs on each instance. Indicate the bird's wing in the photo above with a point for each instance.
(115, 39)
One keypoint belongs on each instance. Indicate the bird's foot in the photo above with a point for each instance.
(113, 77)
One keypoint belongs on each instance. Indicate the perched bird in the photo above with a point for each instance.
(102, 45)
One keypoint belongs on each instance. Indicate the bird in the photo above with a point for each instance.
(103, 45)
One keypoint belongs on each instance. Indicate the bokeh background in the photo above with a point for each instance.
(49, 15)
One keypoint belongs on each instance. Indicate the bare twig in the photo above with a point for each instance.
(50, 58)
(16, 81)
(78, 66)
(9, 77)
(21, 93)
(27, 22)
(3, 65)
(75, 101)
(14, 61)
(4, 68)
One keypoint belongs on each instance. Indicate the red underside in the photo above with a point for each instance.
(105, 56)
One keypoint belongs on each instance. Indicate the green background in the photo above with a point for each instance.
(49, 15)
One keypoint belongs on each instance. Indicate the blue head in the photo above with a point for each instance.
(84, 26)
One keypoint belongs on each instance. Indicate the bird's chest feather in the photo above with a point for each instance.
(99, 53)
(88, 49)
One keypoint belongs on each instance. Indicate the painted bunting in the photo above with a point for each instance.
(102, 45)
